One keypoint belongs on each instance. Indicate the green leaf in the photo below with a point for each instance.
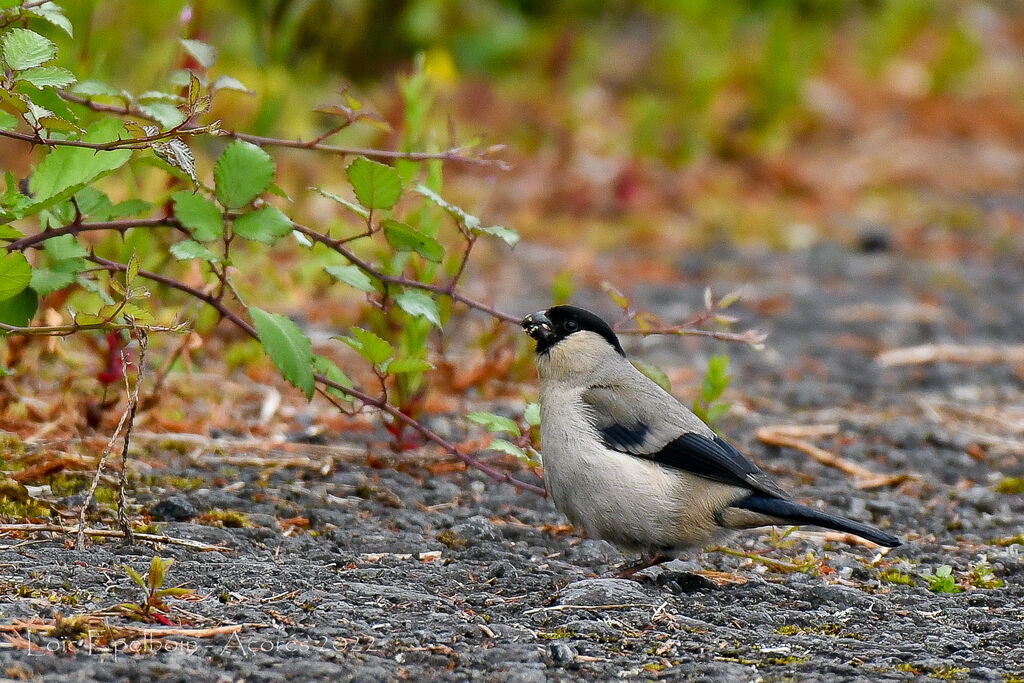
(229, 83)
(494, 423)
(64, 247)
(376, 186)
(7, 121)
(134, 576)
(242, 172)
(205, 54)
(24, 49)
(354, 208)
(506, 235)
(51, 12)
(287, 346)
(368, 345)
(717, 410)
(66, 262)
(471, 222)
(19, 309)
(405, 364)
(92, 88)
(508, 447)
(15, 274)
(157, 571)
(9, 233)
(66, 170)
(653, 372)
(325, 366)
(130, 207)
(402, 237)
(418, 303)
(266, 225)
(43, 76)
(164, 113)
(184, 251)
(45, 281)
(178, 154)
(352, 276)
(532, 413)
(199, 215)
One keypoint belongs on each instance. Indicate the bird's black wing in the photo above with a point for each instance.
(677, 440)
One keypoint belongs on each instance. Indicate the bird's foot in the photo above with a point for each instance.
(629, 571)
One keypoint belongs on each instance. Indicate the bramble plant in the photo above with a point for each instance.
(117, 199)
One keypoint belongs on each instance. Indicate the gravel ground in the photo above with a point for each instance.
(402, 574)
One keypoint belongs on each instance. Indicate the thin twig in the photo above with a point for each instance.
(951, 353)
(133, 405)
(111, 533)
(787, 436)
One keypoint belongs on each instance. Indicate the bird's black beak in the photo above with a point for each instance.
(538, 326)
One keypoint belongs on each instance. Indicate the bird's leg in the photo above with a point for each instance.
(629, 570)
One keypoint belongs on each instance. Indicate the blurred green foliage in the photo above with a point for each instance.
(693, 76)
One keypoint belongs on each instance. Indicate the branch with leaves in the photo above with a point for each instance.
(394, 238)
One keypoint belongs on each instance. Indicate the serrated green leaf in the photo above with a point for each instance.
(265, 225)
(189, 249)
(15, 274)
(24, 49)
(494, 423)
(48, 99)
(205, 54)
(197, 213)
(506, 235)
(165, 113)
(325, 366)
(132, 271)
(376, 186)
(354, 208)
(471, 222)
(653, 372)
(66, 170)
(51, 12)
(352, 276)
(7, 121)
(130, 207)
(178, 154)
(64, 247)
(402, 237)
(419, 304)
(46, 281)
(242, 172)
(92, 88)
(47, 76)
(369, 346)
(532, 413)
(397, 366)
(287, 346)
(19, 309)
(508, 447)
(9, 233)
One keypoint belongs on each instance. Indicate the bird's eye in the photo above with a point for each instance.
(571, 325)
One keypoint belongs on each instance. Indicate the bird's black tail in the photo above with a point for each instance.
(790, 512)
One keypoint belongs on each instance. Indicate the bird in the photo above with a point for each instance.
(626, 462)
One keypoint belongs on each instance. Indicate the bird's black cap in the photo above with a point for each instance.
(558, 322)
